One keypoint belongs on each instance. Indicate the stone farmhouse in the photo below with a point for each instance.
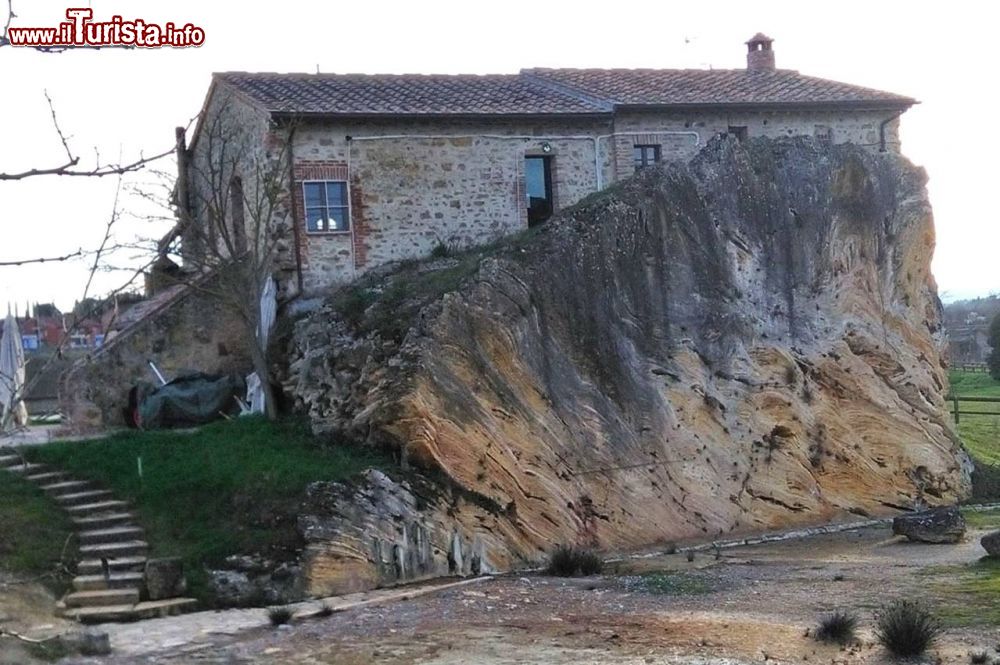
(387, 167)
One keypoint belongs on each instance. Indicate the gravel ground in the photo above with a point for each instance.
(752, 605)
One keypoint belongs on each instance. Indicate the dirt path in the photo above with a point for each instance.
(753, 605)
(25, 608)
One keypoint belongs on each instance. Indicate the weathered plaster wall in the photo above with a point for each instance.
(188, 333)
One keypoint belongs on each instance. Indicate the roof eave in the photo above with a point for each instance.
(852, 105)
(315, 115)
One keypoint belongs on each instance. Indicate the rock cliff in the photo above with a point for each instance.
(745, 342)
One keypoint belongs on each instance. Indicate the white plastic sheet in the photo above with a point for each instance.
(12, 374)
(268, 313)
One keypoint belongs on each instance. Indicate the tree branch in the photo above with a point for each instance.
(50, 259)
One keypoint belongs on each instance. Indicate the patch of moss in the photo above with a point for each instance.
(388, 304)
(675, 584)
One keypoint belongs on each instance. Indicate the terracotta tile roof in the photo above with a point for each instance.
(672, 87)
(413, 94)
(545, 91)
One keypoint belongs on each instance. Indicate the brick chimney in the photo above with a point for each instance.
(760, 56)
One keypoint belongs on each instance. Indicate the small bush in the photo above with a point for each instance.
(838, 627)
(906, 628)
(353, 303)
(979, 657)
(590, 563)
(567, 561)
(279, 615)
(324, 611)
(440, 251)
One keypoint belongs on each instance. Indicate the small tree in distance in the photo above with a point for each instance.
(993, 359)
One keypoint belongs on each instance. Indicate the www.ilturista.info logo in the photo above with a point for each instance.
(81, 30)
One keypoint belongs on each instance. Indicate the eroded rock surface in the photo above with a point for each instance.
(747, 342)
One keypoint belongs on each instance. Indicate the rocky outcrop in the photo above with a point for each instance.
(941, 525)
(248, 580)
(380, 531)
(746, 342)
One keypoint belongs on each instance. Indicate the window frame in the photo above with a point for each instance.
(346, 207)
(642, 147)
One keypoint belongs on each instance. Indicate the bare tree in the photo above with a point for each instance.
(233, 213)
(95, 258)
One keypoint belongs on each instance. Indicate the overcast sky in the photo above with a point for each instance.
(124, 102)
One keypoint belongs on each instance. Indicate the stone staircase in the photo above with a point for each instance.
(110, 582)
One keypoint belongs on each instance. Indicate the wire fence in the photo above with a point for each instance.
(957, 411)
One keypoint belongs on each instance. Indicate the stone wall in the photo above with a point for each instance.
(674, 132)
(188, 332)
(417, 185)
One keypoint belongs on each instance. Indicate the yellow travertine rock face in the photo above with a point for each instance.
(745, 343)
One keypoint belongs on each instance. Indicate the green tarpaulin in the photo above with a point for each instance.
(194, 399)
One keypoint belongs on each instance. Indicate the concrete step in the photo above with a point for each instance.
(48, 477)
(114, 550)
(84, 497)
(66, 486)
(114, 581)
(111, 535)
(102, 598)
(146, 610)
(96, 508)
(9, 460)
(26, 469)
(92, 566)
(104, 521)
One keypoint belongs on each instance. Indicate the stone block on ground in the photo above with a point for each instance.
(165, 578)
(991, 543)
(88, 642)
(939, 525)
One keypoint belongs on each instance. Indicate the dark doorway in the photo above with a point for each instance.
(538, 187)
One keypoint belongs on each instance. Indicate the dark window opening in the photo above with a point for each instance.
(327, 207)
(538, 188)
(645, 155)
(740, 132)
(239, 220)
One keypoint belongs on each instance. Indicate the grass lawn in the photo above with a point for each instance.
(33, 531)
(982, 519)
(980, 434)
(968, 594)
(231, 487)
